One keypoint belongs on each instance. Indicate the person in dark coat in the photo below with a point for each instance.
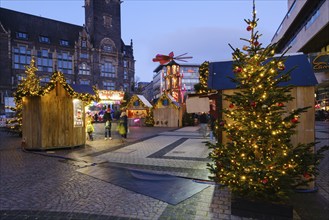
(107, 118)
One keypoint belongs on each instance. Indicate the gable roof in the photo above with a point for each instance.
(302, 75)
(168, 97)
(144, 102)
(36, 26)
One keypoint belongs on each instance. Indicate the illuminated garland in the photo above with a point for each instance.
(135, 98)
(164, 97)
(31, 87)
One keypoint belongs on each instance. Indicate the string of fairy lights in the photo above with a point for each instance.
(30, 86)
(259, 159)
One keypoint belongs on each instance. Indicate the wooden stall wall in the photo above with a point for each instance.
(304, 96)
(48, 121)
(167, 117)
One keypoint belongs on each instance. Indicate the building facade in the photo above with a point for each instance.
(93, 54)
(188, 72)
(305, 28)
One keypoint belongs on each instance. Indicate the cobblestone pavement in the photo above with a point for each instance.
(47, 185)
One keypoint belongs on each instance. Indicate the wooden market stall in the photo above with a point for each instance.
(137, 110)
(302, 79)
(167, 112)
(54, 118)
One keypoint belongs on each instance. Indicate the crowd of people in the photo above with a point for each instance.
(107, 119)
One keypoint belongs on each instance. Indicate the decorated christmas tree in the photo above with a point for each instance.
(202, 86)
(30, 86)
(259, 160)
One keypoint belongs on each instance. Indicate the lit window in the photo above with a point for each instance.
(84, 69)
(84, 43)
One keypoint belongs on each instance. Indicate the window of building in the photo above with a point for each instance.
(84, 82)
(84, 55)
(21, 57)
(312, 19)
(125, 87)
(125, 74)
(20, 78)
(64, 43)
(125, 63)
(44, 39)
(65, 62)
(107, 21)
(108, 70)
(21, 35)
(107, 48)
(45, 61)
(84, 44)
(44, 80)
(84, 69)
(109, 85)
(291, 9)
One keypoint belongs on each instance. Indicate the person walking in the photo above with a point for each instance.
(90, 130)
(203, 119)
(107, 118)
(122, 127)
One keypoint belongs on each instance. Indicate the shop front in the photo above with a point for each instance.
(108, 99)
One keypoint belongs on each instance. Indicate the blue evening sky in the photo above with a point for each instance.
(201, 28)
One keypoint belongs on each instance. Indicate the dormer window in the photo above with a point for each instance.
(64, 43)
(21, 35)
(44, 39)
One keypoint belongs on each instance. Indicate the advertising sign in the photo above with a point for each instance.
(320, 61)
(78, 113)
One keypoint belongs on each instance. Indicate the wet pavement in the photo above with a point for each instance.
(47, 184)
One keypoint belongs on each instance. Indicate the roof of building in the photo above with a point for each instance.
(87, 89)
(36, 26)
(220, 73)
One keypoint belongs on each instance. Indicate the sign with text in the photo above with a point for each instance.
(320, 61)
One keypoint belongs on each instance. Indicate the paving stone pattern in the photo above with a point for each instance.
(46, 185)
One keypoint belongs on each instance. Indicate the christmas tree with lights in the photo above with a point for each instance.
(202, 86)
(30, 86)
(259, 160)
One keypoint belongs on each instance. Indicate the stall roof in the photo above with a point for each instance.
(144, 100)
(302, 75)
(83, 89)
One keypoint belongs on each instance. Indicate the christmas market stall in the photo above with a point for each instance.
(167, 112)
(137, 109)
(302, 79)
(53, 115)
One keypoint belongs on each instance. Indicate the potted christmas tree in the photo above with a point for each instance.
(259, 163)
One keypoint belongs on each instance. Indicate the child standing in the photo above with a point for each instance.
(90, 129)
